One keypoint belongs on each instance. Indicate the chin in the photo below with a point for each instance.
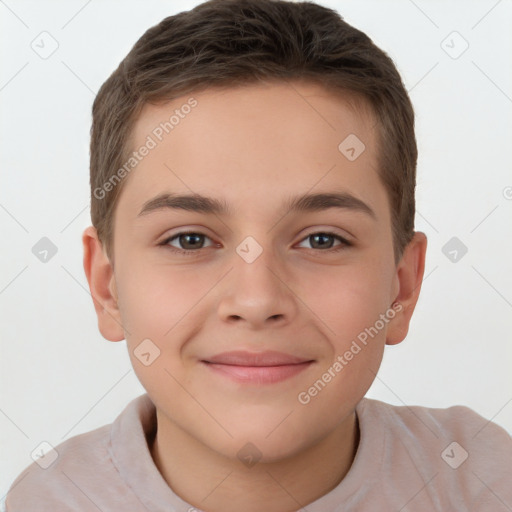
(250, 446)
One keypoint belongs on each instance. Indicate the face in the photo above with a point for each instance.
(262, 322)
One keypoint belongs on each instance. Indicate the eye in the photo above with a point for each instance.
(323, 241)
(189, 241)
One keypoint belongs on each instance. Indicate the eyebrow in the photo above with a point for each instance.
(210, 205)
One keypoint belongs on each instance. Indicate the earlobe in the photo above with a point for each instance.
(101, 279)
(410, 272)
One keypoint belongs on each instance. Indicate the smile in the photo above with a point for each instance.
(256, 368)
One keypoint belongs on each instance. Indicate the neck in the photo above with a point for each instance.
(210, 481)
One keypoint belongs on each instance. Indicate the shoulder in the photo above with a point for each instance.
(462, 458)
(84, 471)
(58, 471)
(457, 421)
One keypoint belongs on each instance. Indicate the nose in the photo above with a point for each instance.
(257, 294)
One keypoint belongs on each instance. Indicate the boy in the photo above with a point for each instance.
(281, 140)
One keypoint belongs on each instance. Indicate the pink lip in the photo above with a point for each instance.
(258, 368)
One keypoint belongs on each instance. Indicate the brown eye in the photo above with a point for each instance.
(188, 242)
(325, 241)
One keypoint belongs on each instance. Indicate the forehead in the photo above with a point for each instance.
(251, 144)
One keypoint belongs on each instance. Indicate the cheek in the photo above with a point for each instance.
(348, 300)
(158, 308)
(349, 304)
(162, 309)
(157, 299)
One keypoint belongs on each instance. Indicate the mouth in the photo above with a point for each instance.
(256, 368)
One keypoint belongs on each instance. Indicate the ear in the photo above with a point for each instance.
(409, 276)
(101, 279)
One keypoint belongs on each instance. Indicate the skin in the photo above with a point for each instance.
(254, 146)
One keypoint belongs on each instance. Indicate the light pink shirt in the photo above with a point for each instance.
(408, 459)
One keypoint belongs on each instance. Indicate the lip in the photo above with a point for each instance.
(256, 367)
(267, 358)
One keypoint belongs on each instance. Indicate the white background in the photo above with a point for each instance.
(60, 378)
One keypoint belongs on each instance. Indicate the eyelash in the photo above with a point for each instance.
(189, 252)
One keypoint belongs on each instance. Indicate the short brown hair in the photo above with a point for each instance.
(223, 43)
